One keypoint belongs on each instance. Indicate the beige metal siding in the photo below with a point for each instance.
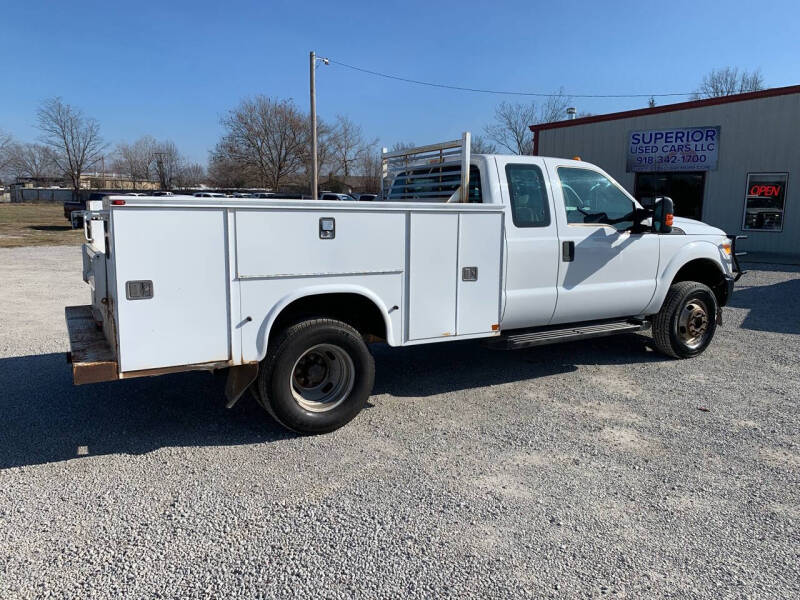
(758, 135)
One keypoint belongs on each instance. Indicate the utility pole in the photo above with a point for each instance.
(314, 166)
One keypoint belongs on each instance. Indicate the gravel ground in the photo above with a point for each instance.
(570, 471)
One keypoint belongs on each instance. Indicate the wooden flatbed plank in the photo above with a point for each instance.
(93, 359)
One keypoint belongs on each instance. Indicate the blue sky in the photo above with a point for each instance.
(171, 69)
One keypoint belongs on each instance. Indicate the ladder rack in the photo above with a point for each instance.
(433, 173)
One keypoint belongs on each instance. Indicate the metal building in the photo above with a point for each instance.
(733, 161)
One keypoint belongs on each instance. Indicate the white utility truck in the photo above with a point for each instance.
(287, 294)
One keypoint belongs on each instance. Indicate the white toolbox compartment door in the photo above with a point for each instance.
(183, 253)
(432, 275)
(480, 243)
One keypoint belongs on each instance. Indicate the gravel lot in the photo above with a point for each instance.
(570, 471)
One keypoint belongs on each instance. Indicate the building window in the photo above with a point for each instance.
(685, 189)
(764, 201)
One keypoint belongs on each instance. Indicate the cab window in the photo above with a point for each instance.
(591, 198)
(528, 196)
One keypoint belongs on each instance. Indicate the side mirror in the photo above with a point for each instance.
(662, 215)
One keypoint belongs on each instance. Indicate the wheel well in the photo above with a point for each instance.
(354, 309)
(706, 271)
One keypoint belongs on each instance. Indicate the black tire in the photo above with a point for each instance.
(309, 362)
(687, 321)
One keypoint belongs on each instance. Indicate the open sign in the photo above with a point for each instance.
(764, 201)
(765, 190)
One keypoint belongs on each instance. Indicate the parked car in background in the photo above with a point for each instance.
(264, 195)
(159, 193)
(208, 195)
(335, 196)
(365, 197)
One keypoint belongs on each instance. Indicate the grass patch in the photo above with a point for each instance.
(36, 225)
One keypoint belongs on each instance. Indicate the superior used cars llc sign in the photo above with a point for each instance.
(679, 149)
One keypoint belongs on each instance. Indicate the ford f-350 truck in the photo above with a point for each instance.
(287, 295)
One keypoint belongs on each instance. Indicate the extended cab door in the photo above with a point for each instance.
(605, 271)
(532, 251)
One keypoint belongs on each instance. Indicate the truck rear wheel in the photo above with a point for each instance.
(317, 376)
(685, 325)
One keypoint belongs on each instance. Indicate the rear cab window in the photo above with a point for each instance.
(435, 183)
(528, 195)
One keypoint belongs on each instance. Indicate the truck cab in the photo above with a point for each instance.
(596, 251)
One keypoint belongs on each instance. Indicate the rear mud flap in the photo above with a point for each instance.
(240, 378)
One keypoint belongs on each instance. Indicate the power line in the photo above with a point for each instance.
(502, 92)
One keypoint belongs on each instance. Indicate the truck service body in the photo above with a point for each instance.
(286, 294)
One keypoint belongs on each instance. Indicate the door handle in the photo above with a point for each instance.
(567, 251)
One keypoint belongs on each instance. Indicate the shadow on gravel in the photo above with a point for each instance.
(429, 369)
(46, 419)
(774, 308)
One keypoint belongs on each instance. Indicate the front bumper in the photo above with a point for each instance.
(737, 268)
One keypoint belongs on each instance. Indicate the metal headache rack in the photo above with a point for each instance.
(434, 173)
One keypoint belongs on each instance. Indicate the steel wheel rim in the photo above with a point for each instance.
(693, 323)
(322, 378)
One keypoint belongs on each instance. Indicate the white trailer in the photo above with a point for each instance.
(288, 294)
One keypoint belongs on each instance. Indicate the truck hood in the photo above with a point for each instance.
(692, 227)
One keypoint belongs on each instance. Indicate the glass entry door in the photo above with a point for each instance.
(685, 189)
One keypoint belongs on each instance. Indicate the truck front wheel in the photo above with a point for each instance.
(686, 323)
(317, 376)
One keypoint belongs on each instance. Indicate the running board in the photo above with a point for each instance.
(555, 335)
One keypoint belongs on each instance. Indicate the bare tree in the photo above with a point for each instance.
(74, 138)
(325, 160)
(266, 137)
(137, 159)
(727, 81)
(347, 145)
(6, 146)
(6, 142)
(370, 168)
(32, 160)
(554, 108)
(398, 146)
(190, 175)
(511, 126)
(168, 163)
(224, 172)
(480, 145)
